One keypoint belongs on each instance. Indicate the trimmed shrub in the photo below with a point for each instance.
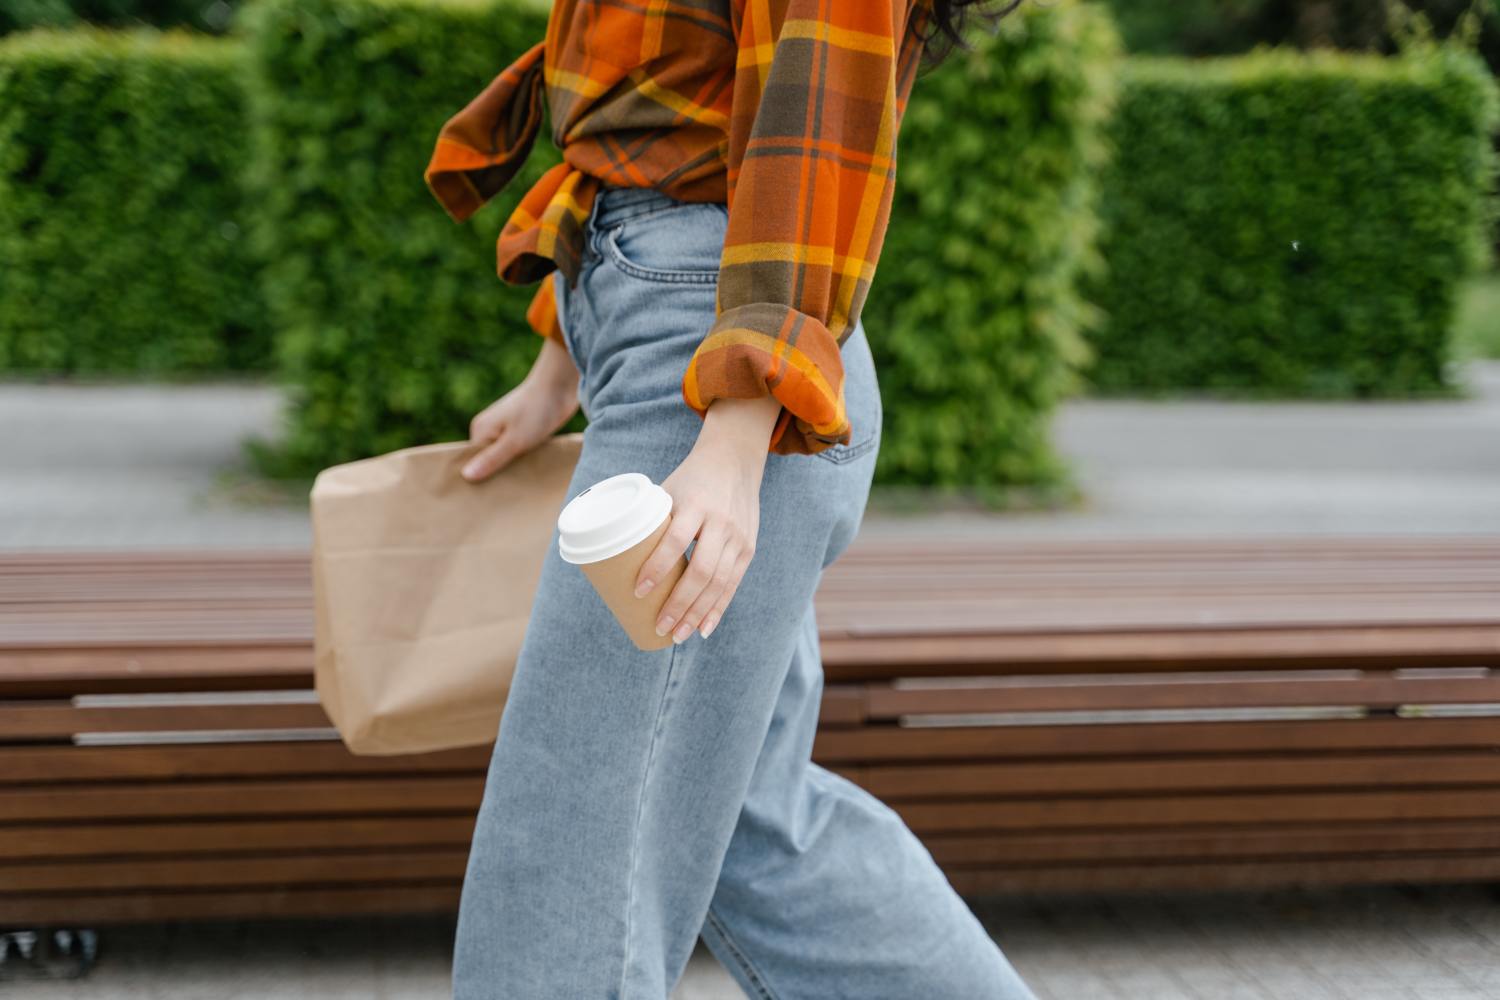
(1294, 225)
(121, 214)
(392, 325)
(205, 15)
(394, 328)
(1230, 27)
(975, 316)
(1198, 27)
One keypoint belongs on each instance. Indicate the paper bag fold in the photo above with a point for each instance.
(422, 588)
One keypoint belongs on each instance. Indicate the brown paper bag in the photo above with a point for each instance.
(422, 588)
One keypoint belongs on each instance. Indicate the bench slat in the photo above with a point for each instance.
(78, 841)
(54, 764)
(237, 871)
(1371, 691)
(330, 796)
(1387, 839)
(1267, 810)
(873, 744)
(1224, 874)
(73, 909)
(964, 781)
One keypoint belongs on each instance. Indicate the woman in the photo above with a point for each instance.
(706, 246)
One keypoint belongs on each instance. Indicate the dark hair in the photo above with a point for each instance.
(950, 18)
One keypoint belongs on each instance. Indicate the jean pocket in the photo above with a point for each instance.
(841, 453)
(677, 245)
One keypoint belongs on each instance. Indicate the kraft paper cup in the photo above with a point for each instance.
(608, 531)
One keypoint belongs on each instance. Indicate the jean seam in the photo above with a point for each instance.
(640, 808)
(839, 454)
(737, 953)
(564, 321)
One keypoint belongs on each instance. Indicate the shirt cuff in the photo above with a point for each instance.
(768, 348)
(542, 313)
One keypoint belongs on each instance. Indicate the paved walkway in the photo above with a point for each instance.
(147, 466)
(122, 466)
(1434, 943)
(1216, 469)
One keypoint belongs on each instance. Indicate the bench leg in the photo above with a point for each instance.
(51, 953)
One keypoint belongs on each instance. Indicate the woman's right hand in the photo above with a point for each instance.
(527, 415)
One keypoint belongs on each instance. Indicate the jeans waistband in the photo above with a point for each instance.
(613, 205)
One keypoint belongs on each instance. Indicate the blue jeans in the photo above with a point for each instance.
(636, 799)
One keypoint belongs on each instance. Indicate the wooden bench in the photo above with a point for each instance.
(1046, 716)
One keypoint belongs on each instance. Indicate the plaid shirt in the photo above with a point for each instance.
(785, 111)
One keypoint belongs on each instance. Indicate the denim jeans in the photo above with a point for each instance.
(637, 799)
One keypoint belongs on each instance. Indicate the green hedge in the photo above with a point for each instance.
(392, 326)
(1293, 224)
(205, 15)
(1229, 27)
(975, 316)
(121, 216)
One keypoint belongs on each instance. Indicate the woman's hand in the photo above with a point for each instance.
(716, 499)
(527, 415)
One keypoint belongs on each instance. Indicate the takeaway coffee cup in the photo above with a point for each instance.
(608, 531)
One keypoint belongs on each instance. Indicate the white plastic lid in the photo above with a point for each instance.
(611, 516)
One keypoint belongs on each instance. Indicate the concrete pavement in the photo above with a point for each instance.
(1417, 943)
(124, 466)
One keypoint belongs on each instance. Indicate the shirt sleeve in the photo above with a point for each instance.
(542, 313)
(818, 96)
(480, 149)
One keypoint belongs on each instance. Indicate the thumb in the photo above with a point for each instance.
(494, 457)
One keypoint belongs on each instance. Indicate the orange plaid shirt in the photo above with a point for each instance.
(785, 111)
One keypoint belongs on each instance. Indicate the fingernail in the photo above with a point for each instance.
(683, 631)
(664, 624)
(709, 627)
(469, 471)
(645, 588)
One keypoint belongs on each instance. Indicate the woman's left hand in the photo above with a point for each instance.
(715, 499)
